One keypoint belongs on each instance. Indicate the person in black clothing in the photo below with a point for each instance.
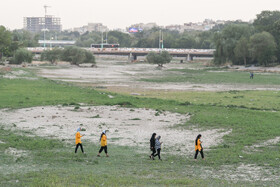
(152, 145)
(251, 75)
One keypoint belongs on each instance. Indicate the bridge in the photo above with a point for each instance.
(133, 53)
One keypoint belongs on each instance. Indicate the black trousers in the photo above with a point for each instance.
(154, 151)
(103, 147)
(77, 146)
(158, 153)
(196, 153)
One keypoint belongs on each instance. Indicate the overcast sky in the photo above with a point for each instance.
(123, 13)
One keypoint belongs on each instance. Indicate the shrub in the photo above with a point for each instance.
(159, 59)
(51, 55)
(22, 55)
(77, 56)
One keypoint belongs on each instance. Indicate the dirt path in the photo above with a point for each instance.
(128, 127)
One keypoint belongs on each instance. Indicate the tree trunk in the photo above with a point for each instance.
(245, 63)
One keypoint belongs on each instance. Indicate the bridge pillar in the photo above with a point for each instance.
(134, 57)
(189, 58)
(129, 57)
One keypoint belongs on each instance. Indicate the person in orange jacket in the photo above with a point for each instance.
(198, 147)
(103, 143)
(78, 140)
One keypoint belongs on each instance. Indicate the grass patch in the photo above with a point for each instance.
(251, 115)
(51, 162)
(208, 76)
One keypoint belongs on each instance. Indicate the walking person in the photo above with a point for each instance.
(152, 145)
(158, 147)
(198, 147)
(103, 143)
(78, 140)
(251, 75)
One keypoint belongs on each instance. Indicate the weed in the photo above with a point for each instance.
(135, 119)
(96, 116)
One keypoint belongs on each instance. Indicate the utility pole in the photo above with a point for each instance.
(45, 7)
(102, 40)
(106, 36)
(160, 43)
(159, 37)
(162, 40)
(101, 30)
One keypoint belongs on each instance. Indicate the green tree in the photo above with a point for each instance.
(227, 40)
(269, 21)
(266, 19)
(77, 56)
(25, 38)
(263, 47)
(241, 50)
(5, 41)
(122, 38)
(22, 55)
(51, 55)
(159, 58)
(220, 56)
(186, 41)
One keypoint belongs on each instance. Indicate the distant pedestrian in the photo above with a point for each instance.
(152, 145)
(158, 147)
(198, 147)
(78, 140)
(103, 143)
(251, 75)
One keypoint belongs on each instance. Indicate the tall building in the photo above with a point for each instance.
(97, 27)
(36, 24)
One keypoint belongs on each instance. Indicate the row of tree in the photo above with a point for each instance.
(11, 41)
(257, 43)
(145, 39)
(74, 55)
(236, 42)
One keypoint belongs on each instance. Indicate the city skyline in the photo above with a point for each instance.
(123, 13)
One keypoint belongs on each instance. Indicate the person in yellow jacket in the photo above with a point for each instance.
(198, 147)
(78, 140)
(103, 143)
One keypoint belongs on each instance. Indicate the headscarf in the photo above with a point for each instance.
(153, 136)
(198, 136)
(103, 132)
(79, 129)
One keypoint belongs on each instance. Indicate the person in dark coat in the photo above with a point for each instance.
(152, 145)
(251, 75)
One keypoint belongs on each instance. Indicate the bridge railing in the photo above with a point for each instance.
(135, 50)
(132, 50)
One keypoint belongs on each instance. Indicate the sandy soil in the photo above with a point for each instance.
(128, 127)
(254, 148)
(16, 153)
(123, 75)
(243, 172)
